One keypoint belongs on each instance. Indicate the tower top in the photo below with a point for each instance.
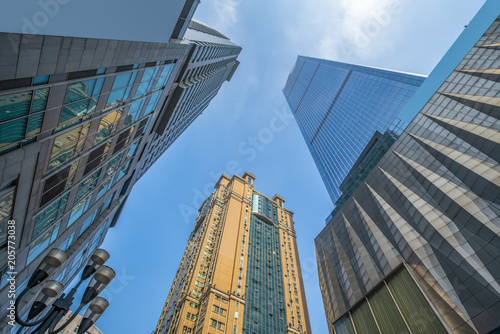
(249, 177)
(277, 197)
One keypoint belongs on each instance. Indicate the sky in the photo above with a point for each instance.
(405, 35)
(148, 241)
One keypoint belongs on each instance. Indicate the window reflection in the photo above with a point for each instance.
(78, 210)
(86, 224)
(164, 76)
(48, 214)
(14, 105)
(107, 125)
(83, 89)
(110, 174)
(13, 131)
(40, 97)
(68, 145)
(35, 124)
(13, 126)
(87, 185)
(39, 245)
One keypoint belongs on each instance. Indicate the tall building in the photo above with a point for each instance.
(416, 248)
(212, 61)
(81, 119)
(339, 107)
(240, 272)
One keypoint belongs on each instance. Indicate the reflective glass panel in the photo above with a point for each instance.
(67, 145)
(344, 325)
(107, 125)
(79, 90)
(74, 111)
(363, 319)
(40, 244)
(49, 214)
(67, 243)
(87, 185)
(6, 202)
(11, 132)
(386, 313)
(14, 105)
(86, 224)
(35, 124)
(122, 80)
(78, 210)
(417, 312)
(40, 99)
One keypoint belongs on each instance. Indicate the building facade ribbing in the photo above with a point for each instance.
(416, 247)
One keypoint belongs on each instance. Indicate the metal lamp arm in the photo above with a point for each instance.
(52, 329)
(18, 318)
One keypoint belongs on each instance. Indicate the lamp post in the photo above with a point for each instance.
(102, 276)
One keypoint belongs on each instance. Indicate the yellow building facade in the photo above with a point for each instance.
(240, 272)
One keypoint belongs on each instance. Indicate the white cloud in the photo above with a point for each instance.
(342, 29)
(227, 12)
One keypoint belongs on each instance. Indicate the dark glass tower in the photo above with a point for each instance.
(339, 107)
(81, 120)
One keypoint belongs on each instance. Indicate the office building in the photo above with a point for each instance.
(79, 123)
(240, 272)
(339, 107)
(416, 247)
(212, 61)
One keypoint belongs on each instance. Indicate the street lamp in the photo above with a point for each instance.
(102, 276)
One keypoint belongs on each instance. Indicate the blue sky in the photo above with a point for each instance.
(413, 38)
(148, 242)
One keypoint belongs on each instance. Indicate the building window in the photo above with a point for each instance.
(120, 90)
(86, 224)
(42, 242)
(106, 204)
(164, 76)
(109, 175)
(147, 81)
(49, 214)
(78, 210)
(80, 102)
(134, 112)
(87, 185)
(21, 117)
(67, 243)
(124, 170)
(67, 145)
(107, 125)
(58, 182)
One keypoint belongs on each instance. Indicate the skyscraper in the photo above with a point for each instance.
(240, 272)
(212, 61)
(339, 107)
(416, 247)
(79, 125)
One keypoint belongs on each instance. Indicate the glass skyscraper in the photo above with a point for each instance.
(81, 123)
(339, 107)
